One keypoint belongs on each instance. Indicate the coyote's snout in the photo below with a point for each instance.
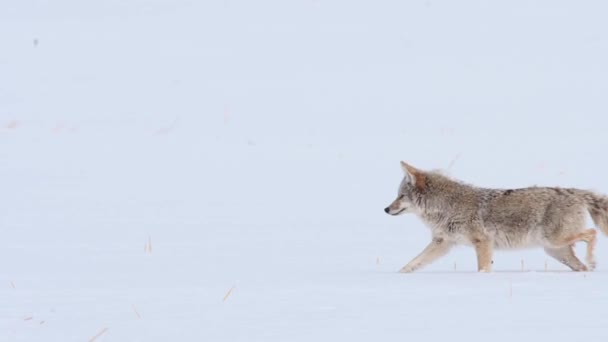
(397, 207)
(488, 219)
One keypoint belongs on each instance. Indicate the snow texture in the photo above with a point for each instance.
(217, 170)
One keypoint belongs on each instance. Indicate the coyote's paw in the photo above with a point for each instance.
(407, 269)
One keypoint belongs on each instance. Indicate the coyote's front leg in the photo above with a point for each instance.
(483, 249)
(436, 249)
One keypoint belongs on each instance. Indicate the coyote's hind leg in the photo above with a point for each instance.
(566, 256)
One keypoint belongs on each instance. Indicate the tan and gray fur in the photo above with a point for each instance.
(487, 219)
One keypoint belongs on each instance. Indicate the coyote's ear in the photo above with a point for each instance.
(415, 176)
(410, 171)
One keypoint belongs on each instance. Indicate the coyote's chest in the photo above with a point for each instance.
(454, 231)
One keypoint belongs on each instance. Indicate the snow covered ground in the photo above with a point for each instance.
(217, 171)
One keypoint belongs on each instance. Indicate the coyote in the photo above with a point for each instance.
(488, 219)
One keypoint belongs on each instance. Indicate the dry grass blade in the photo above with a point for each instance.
(136, 312)
(228, 294)
(103, 331)
(453, 161)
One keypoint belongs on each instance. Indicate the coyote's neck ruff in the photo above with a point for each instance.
(458, 213)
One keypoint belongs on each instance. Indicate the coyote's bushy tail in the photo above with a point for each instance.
(598, 209)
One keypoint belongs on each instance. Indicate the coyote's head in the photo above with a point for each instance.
(413, 182)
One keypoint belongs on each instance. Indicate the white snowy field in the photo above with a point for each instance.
(217, 171)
